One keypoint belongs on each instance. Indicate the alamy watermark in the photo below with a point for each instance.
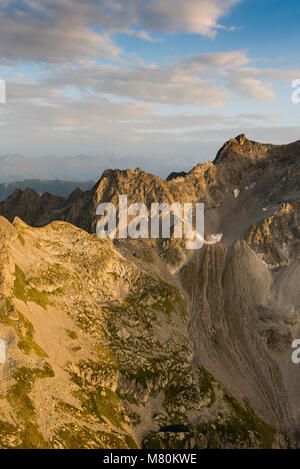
(296, 352)
(136, 221)
(295, 97)
(2, 92)
(2, 352)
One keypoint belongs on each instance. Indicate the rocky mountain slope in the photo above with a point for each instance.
(120, 344)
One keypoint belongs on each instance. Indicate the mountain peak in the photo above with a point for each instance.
(241, 139)
(241, 146)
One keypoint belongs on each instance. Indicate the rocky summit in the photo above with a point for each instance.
(142, 343)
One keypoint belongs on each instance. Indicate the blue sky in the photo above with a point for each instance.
(268, 29)
(165, 80)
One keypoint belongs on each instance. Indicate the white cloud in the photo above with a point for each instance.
(251, 82)
(196, 81)
(193, 16)
(54, 30)
(259, 117)
(60, 30)
(205, 80)
(250, 87)
(272, 74)
(218, 60)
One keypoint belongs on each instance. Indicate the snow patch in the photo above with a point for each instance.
(214, 238)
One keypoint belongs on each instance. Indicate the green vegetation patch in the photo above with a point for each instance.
(18, 398)
(97, 401)
(24, 292)
(21, 239)
(72, 334)
(23, 328)
(73, 436)
(166, 440)
(242, 430)
(154, 293)
(206, 385)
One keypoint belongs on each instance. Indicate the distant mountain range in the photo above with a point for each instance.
(77, 168)
(41, 186)
(61, 176)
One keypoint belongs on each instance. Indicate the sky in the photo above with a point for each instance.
(168, 81)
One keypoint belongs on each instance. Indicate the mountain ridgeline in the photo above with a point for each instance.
(118, 344)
